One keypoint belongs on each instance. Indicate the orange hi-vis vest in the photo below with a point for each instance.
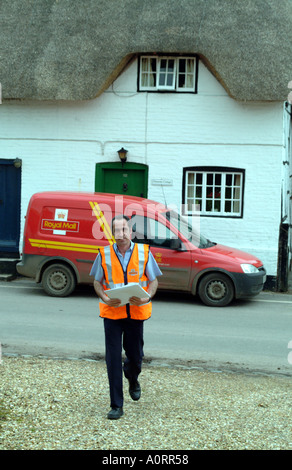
(116, 277)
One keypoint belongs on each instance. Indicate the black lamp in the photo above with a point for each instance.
(123, 154)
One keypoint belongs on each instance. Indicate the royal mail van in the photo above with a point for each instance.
(64, 230)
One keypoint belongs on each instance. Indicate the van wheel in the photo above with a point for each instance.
(216, 290)
(58, 280)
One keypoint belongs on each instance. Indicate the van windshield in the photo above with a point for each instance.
(190, 230)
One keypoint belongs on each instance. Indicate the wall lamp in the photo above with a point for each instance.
(123, 154)
(17, 163)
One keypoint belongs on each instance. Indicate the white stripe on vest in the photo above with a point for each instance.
(107, 255)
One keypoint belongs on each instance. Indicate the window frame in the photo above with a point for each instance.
(174, 88)
(205, 170)
(152, 226)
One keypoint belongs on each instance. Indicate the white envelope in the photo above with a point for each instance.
(127, 291)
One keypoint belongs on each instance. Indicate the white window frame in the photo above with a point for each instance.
(158, 73)
(166, 72)
(223, 197)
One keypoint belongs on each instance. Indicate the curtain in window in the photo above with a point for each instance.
(148, 74)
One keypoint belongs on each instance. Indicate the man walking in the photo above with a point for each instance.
(117, 265)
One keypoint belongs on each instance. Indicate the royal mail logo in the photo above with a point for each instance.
(158, 257)
(68, 225)
(133, 272)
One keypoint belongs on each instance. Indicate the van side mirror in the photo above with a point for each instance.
(175, 244)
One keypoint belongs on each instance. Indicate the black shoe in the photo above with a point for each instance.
(134, 390)
(115, 413)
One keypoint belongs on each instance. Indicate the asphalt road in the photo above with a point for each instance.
(252, 335)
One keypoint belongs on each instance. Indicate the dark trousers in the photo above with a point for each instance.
(127, 334)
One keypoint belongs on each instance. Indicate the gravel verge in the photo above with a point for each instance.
(50, 404)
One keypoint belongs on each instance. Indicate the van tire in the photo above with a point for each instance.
(216, 290)
(58, 280)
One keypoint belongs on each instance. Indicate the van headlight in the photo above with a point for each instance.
(249, 268)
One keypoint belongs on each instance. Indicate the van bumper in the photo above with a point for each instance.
(29, 265)
(247, 285)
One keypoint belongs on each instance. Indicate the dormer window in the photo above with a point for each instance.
(167, 73)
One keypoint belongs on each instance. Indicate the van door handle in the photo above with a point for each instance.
(125, 186)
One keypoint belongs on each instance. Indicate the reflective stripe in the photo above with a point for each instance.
(141, 251)
(109, 286)
(135, 272)
(107, 256)
(109, 251)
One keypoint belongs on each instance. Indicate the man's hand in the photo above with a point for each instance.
(152, 288)
(111, 302)
(133, 300)
(137, 301)
(105, 298)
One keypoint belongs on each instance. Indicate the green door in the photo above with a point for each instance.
(130, 179)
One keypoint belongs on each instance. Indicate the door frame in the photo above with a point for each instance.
(17, 163)
(100, 168)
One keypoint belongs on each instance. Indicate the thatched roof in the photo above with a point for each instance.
(73, 49)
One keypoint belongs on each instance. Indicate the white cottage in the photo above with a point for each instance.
(188, 142)
(204, 119)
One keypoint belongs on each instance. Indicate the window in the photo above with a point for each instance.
(151, 231)
(214, 191)
(167, 74)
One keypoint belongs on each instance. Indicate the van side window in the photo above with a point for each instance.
(150, 231)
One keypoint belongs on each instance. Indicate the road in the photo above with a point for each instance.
(252, 335)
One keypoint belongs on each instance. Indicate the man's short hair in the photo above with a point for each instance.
(120, 217)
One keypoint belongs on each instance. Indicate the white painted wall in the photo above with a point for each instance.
(287, 175)
(60, 143)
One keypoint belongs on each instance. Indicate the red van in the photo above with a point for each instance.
(64, 230)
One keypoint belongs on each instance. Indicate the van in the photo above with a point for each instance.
(64, 230)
